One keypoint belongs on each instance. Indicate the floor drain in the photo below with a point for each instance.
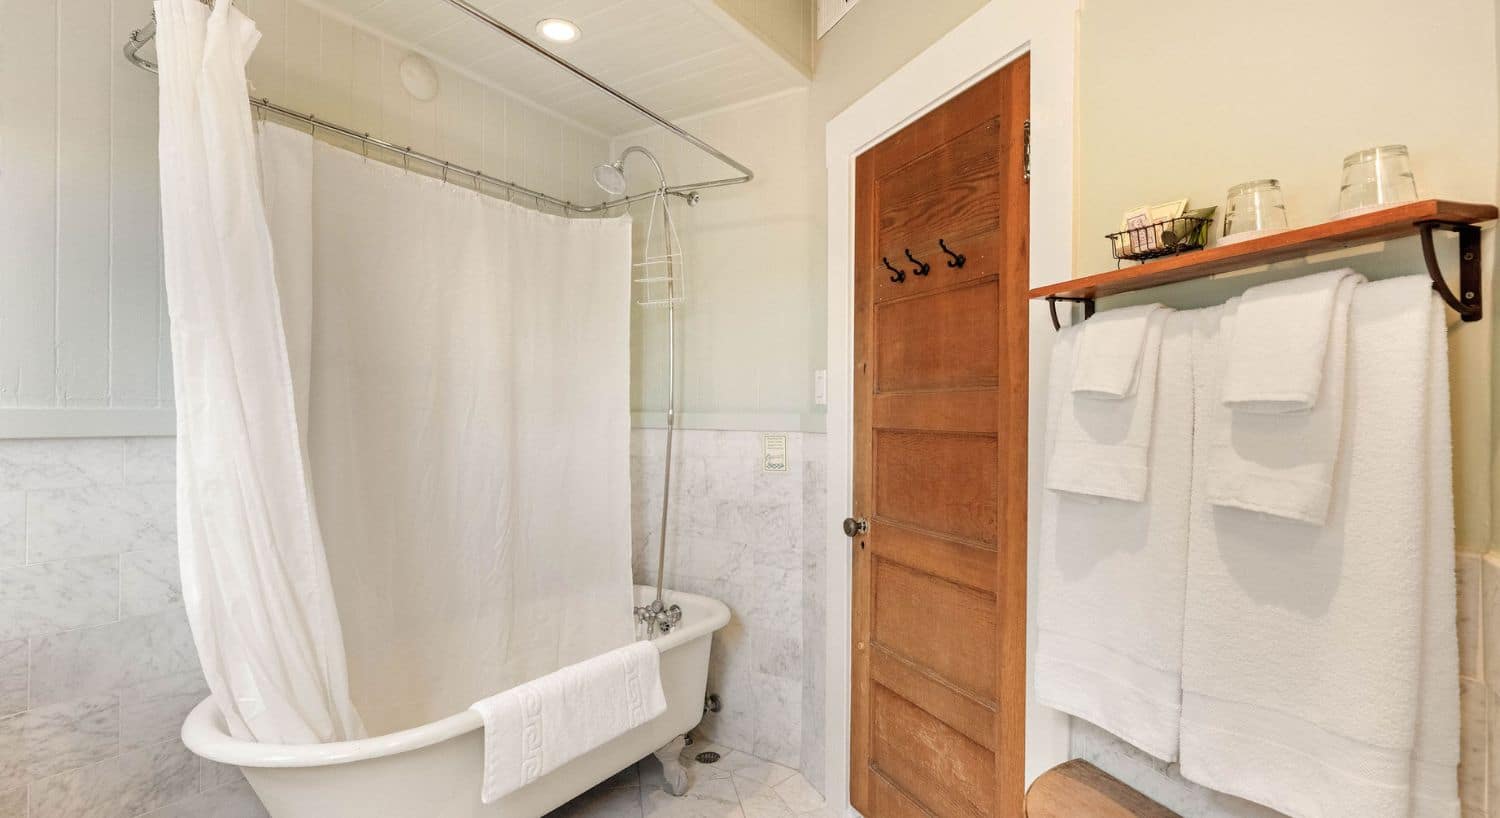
(707, 757)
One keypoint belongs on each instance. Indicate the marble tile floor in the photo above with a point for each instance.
(739, 785)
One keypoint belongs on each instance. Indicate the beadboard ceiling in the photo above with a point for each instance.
(677, 57)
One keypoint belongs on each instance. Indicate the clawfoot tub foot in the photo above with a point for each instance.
(672, 770)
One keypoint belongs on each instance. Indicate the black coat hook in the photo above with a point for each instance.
(900, 275)
(923, 268)
(957, 259)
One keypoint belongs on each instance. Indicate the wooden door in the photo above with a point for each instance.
(939, 664)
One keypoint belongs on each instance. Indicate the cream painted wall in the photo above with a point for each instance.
(746, 330)
(1287, 92)
(757, 313)
(82, 311)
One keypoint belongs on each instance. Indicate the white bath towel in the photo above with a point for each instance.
(1435, 758)
(1111, 349)
(1101, 447)
(1275, 462)
(1320, 663)
(1112, 573)
(1279, 356)
(536, 727)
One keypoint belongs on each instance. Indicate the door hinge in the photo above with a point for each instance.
(1026, 131)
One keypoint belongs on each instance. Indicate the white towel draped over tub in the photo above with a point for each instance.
(1109, 632)
(537, 727)
(1320, 670)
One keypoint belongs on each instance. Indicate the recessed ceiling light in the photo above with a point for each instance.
(558, 30)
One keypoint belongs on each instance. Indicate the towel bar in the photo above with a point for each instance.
(1088, 307)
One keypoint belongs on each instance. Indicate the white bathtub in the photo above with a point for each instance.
(433, 771)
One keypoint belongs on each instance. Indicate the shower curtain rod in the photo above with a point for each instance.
(141, 36)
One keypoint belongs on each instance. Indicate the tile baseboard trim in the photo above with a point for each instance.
(93, 422)
(734, 421)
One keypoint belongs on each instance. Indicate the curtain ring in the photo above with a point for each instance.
(445, 172)
(364, 144)
(406, 159)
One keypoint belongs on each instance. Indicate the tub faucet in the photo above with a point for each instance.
(657, 616)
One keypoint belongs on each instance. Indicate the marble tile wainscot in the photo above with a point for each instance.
(735, 532)
(97, 665)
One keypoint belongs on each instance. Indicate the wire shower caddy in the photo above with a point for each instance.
(660, 276)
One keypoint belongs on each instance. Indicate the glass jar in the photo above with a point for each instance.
(1253, 209)
(1375, 178)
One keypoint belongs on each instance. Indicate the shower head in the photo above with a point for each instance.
(610, 177)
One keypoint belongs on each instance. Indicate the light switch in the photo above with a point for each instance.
(820, 387)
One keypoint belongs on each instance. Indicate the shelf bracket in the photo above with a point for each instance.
(1469, 303)
(1088, 307)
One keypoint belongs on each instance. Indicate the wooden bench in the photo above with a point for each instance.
(1078, 789)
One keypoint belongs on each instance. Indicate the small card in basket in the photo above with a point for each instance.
(1143, 225)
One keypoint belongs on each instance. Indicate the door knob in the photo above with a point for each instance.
(853, 527)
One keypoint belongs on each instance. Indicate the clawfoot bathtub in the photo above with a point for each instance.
(433, 771)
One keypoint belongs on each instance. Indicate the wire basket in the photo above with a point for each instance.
(1163, 237)
(660, 276)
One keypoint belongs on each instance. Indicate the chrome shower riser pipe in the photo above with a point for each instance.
(666, 488)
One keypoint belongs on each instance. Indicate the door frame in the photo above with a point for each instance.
(998, 33)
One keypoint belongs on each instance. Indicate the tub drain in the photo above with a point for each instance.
(707, 757)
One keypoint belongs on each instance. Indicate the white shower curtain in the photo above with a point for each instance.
(255, 581)
(467, 375)
(431, 383)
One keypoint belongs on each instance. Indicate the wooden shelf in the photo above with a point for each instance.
(1381, 225)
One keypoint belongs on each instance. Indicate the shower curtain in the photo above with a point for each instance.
(403, 437)
(255, 582)
(467, 375)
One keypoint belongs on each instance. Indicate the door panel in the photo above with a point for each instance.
(936, 481)
(908, 606)
(930, 761)
(967, 714)
(939, 618)
(938, 340)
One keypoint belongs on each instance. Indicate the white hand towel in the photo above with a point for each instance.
(1281, 351)
(1112, 573)
(1319, 662)
(1281, 464)
(536, 727)
(1111, 351)
(1101, 446)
